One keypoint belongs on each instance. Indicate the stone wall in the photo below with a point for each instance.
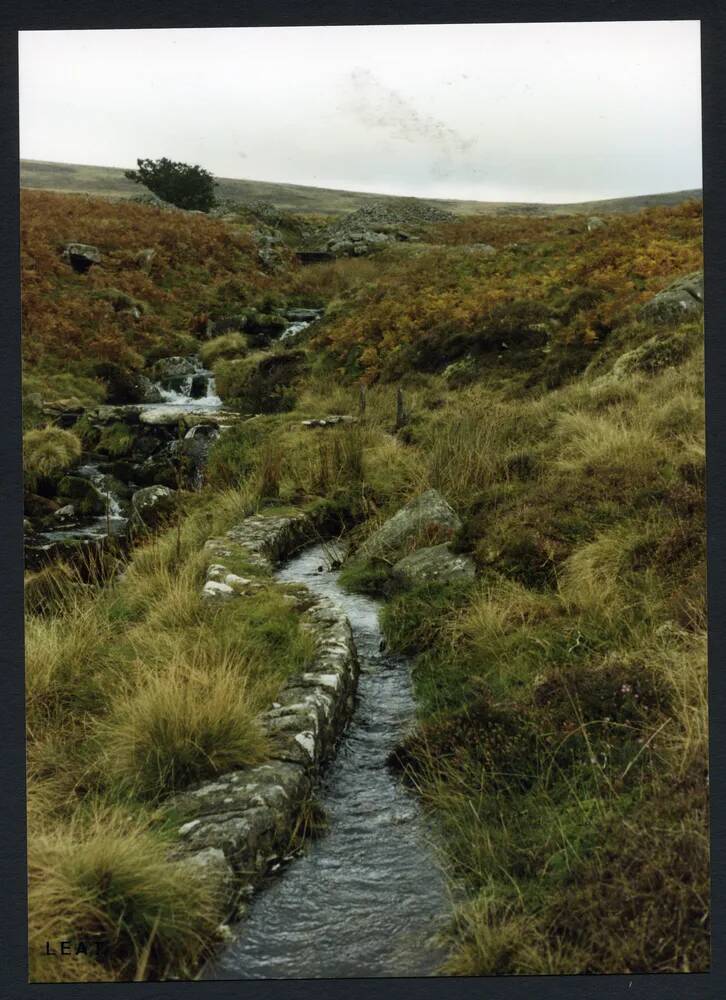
(239, 825)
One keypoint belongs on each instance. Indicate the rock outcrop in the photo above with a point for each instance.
(434, 564)
(380, 224)
(427, 519)
(682, 299)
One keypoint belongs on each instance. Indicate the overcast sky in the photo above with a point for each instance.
(525, 112)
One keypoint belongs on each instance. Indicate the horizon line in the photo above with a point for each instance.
(383, 194)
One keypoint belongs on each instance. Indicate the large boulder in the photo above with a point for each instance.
(153, 505)
(37, 507)
(682, 299)
(174, 367)
(664, 350)
(124, 386)
(86, 498)
(81, 256)
(434, 564)
(427, 519)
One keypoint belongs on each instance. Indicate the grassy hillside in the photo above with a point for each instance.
(561, 741)
(110, 182)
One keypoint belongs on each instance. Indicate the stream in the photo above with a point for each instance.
(367, 897)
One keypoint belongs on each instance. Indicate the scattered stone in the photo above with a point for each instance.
(662, 351)
(144, 259)
(110, 414)
(81, 256)
(303, 315)
(483, 249)
(331, 421)
(595, 223)
(124, 387)
(66, 513)
(174, 366)
(216, 590)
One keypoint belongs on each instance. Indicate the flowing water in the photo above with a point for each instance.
(366, 898)
(181, 396)
(113, 522)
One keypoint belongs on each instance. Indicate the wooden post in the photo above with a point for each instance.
(362, 400)
(400, 410)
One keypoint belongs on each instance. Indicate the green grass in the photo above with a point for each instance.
(229, 345)
(179, 726)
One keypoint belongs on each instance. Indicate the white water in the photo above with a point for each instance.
(294, 329)
(182, 397)
(113, 522)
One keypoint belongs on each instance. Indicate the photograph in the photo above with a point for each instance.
(364, 520)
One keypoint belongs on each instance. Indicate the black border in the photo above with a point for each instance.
(49, 14)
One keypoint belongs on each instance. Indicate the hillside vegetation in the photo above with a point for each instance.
(111, 182)
(562, 732)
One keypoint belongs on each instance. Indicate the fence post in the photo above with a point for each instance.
(362, 400)
(400, 410)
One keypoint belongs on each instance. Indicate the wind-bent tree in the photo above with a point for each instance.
(178, 183)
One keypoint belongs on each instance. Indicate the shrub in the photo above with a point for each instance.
(47, 452)
(58, 651)
(179, 726)
(178, 183)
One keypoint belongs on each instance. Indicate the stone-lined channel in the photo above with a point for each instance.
(367, 897)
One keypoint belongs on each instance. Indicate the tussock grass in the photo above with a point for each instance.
(135, 688)
(228, 345)
(106, 879)
(48, 451)
(179, 726)
(64, 663)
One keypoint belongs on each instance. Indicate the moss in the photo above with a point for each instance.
(116, 439)
(367, 576)
(260, 383)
